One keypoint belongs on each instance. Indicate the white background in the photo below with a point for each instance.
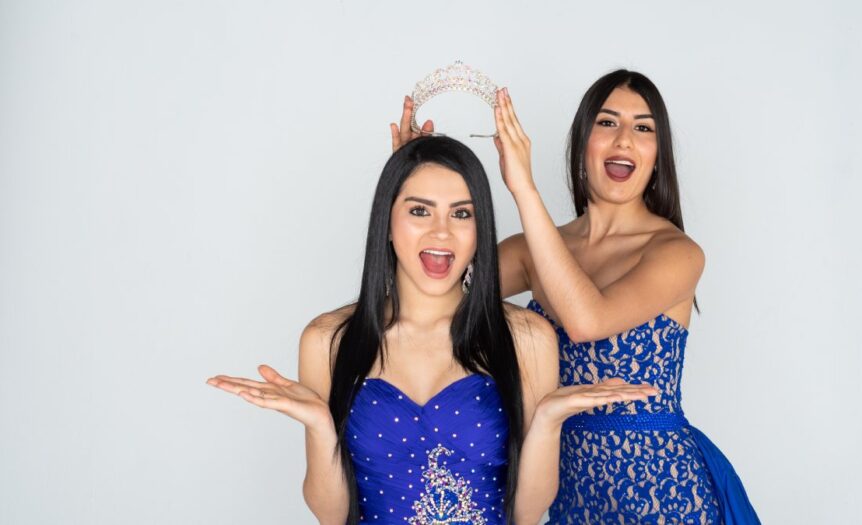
(183, 185)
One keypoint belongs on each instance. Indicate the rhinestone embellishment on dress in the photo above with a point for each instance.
(447, 498)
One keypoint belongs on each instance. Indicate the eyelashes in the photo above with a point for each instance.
(606, 123)
(458, 213)
(419, 211)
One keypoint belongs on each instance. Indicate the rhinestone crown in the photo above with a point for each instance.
(455, 77)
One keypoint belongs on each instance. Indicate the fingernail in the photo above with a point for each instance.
(506, 90)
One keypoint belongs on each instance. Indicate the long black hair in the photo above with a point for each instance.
(662, 192)
(481, 339)
(661, 195)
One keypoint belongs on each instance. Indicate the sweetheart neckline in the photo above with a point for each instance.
(435, 396)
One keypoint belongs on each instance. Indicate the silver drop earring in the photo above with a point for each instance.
(654, 176)
(468, 279)
(583, 172)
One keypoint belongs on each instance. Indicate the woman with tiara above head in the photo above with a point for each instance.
(618, 285)
(429, 401)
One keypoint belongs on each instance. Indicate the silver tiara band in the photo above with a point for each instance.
(455, 77)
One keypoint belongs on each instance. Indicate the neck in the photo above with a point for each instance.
(603, 219)
(423, 310)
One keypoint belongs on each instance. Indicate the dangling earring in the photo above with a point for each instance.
(468, 279)
(583, 172)
(654, 176)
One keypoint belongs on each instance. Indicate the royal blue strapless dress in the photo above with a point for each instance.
(640, 462)
(441, 462)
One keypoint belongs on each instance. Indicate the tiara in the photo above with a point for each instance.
(454, 77)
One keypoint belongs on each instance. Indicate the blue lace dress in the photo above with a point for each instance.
(639, 462)
(441, 462)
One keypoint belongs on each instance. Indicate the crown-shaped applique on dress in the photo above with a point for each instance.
(447, 499)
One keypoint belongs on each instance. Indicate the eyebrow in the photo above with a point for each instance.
(433, 204)
(617, 114)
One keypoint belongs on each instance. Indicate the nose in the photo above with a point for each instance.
(623, 138)
(440, 228)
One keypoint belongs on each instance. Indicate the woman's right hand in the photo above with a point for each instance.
(280, 394)
(404, 134)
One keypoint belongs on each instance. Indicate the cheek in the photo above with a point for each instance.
(595, 146)
(402, 233)
(648, 148)
(467, 239)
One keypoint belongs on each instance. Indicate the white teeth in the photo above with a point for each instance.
(623, 162)
(438, 252)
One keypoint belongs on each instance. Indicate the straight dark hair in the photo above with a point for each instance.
(481, 339)
(662, 192)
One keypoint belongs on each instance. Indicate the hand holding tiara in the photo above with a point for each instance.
(404, 133)
(513, 145)
(454, 77)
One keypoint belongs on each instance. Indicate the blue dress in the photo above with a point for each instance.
(640, 462)
(441, 462)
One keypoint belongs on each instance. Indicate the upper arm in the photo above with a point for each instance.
(536, 346)
(316, 351)
(512, 254)
(666, 275)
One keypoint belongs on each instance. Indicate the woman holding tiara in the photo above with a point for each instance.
(429, 401)
(618, 286)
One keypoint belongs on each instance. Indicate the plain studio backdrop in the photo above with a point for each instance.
(184, 185)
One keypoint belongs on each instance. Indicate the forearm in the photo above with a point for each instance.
(572, 294)
(325, 489)
(538, 471)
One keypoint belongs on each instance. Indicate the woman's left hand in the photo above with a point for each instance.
(567, 401)
(513, 145)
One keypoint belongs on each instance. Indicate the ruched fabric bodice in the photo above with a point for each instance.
(441, 462)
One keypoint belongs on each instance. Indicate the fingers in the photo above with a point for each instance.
(428, 127)
(505, 114)
(237, 380)
(406, 115)
(502, 130)
(271, 376)
(396, 137)
(263, 400)
(581, 397)
(509, 109)
(238, 385)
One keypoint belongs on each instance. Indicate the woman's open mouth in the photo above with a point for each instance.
(619, 169)
(436, 262)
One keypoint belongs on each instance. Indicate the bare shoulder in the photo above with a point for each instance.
(319, 333)
(673, 247)
(316, 350)
(536, 347)
(514, 243)
(531, 332)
